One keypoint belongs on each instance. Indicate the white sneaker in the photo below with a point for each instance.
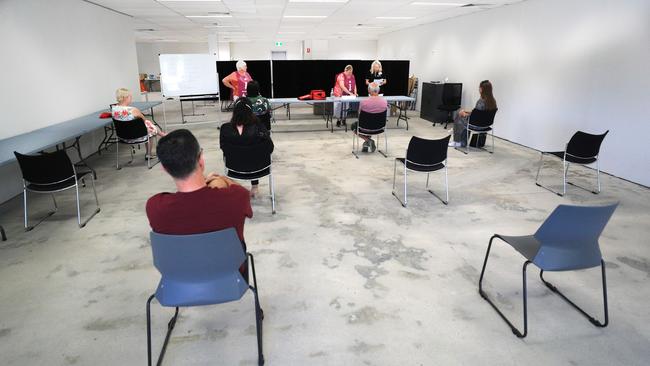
(454, 144)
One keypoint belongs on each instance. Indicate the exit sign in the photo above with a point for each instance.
(279, 44)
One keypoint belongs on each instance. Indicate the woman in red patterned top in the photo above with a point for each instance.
(238, 80)
(345, 84)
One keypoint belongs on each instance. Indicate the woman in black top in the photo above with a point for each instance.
(376, 74)
(244, 129)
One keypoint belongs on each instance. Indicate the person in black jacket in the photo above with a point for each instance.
(244, 129)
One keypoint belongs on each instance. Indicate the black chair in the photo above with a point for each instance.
(52, 173)
(132, 133)
(583, 149)
(452, 94)
(369, 124)
(424, 156)
(250, 163)
(566, 241)
(480, 123)
(266, 120)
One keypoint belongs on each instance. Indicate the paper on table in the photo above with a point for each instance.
(348, 97)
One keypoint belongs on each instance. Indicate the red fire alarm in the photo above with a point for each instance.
(308, 50)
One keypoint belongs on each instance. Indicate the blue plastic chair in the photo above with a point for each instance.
(197, 270)
(566, 241)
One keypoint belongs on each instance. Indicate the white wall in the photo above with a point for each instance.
(148, 53)
(353, 50)
(557, 66)
(261, 50)
(59, 62)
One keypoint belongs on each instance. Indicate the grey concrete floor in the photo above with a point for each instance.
(346, 275)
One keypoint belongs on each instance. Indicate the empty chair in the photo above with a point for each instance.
(452, 94)
(566, 241)
(583, 149)
(198, 270)
(424, 156)
(250, 163)
(131, 133)
(50, 173)
(480, 123)
(370, 124)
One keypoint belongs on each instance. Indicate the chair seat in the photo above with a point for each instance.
(139, 140)
(227, 288)
(528, 245)
(571, 158)
(45, 188)
(249, 176)
(479, 129)
(421, 168)
(371, 132)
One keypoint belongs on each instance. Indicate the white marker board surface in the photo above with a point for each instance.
(188, 74)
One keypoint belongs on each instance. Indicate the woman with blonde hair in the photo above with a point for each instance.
(124, 112)
(376, 74)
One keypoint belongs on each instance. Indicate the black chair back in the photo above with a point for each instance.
(482, 119)
(372, 121)
(427, 152)
(452, 94)
(249, 158)
(46, 168)
(130, 130)
(265, 119)
(585, 145)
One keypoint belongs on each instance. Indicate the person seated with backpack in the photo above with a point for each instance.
(244, 129)
(485, 103)
(261, 106)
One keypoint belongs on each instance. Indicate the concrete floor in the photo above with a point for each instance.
(346, 275)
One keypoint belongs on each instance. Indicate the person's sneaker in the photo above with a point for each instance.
(373, 147)
(365, 146)
(454, 144)
(338, 123)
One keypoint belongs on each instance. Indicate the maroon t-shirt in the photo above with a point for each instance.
(201, 211)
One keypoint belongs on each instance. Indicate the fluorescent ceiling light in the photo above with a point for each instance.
(395, 18)
(291, 32)
(318, 1)
(368, 27)
(306, 16)
(435, 4)
(166, 40)
(221, 26)
(188, 1)
(209, 16)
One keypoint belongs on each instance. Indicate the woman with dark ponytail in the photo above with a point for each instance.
(485, 103)
(244, 129)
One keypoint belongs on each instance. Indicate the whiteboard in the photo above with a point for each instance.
(188, 74)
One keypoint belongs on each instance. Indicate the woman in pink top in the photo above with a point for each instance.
(238, 80)
(345, 84)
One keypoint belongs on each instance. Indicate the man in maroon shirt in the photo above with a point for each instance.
(201, 204)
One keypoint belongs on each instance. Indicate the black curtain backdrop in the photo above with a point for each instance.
(293, 78)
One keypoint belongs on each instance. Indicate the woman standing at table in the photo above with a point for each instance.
(238, 80)
(345, 84)
(376, 74)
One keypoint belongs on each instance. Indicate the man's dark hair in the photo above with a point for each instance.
(179, 152)
(253, 89)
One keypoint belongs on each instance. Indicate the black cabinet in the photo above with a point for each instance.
(431, 99)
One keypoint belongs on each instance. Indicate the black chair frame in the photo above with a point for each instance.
(550, 286)
(370, 132)
(259, 317)
(145, 139)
